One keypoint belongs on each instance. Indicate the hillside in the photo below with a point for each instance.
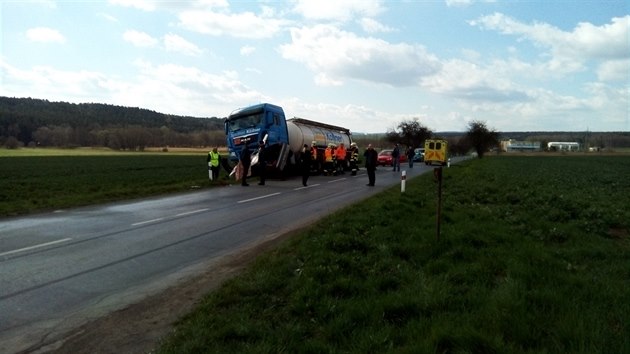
(44, 123)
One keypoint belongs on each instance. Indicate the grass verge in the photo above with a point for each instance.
(52, 179)
(533, 259)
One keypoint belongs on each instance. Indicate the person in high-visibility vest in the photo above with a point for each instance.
(340, 153)
(213, 164)
(329, 157)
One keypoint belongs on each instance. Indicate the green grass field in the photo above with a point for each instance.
(534, 257)
(33, 180)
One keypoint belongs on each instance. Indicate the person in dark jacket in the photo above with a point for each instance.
(354, 158)
(306, 157)
(262, 162)
(410, 154)
(396, 158)
(246, 160)
(371, 159)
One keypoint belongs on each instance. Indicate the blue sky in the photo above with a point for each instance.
(363, 64)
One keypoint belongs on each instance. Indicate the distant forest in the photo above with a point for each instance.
(36, 122)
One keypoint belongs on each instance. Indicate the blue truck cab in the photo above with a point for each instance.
(249, 125)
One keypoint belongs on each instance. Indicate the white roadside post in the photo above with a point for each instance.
(403, 178)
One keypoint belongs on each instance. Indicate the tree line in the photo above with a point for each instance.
(36, 122)
(480, 138)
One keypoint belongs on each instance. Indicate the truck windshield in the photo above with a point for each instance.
(244, 122)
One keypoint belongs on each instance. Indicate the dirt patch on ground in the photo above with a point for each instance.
(139, 328)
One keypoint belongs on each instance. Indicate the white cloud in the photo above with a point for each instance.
(465, 80)
(171, 6)
(175, 43)
(335, 55)
(243, 25)
(322, 79)
(108, 17)
(492, 92)
(338, 10)
(54, 84)
(495, 90)
(172, 42)
(144, 5)
(254, 70)
(613, 100)
(471, 55)
(212, 3)
(609, 41)
(614, 70)
(45, 35)
(350, 115)
(167, 86)
(139, 39)
(247, 50)
(569, 50)
(464, 3)
(158, 87)
(458, 3)
(372, 26)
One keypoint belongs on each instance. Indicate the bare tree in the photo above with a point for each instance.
(410, 132)
(480, 138)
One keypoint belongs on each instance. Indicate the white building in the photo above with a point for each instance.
(511, 145)
(563, 146)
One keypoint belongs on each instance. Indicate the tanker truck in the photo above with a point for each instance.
(284, 137)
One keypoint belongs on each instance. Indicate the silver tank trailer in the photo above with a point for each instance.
(302, 131)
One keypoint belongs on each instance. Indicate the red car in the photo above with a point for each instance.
(385, 157)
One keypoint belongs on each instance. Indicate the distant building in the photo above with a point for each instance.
(563, 146)
(511, 145)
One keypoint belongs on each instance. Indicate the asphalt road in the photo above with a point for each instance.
(60, 270)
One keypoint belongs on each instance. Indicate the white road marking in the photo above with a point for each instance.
(178, 215)
(147, 222)
(337, 180)
(193, 212)
(35, 246)
(261, 197)
(309, 186)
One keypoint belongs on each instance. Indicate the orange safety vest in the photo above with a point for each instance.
(314, 152)
(328, 154)
(341, 153)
